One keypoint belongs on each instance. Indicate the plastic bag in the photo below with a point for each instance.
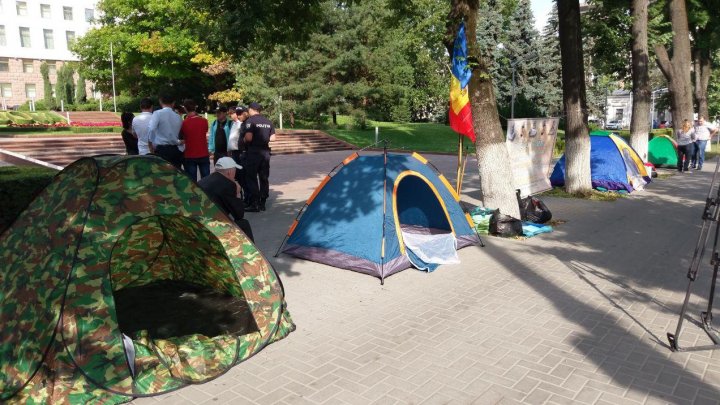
(505, 225)
(534, 210)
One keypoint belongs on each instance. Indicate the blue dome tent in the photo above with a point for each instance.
(614, 165)
(357, 217)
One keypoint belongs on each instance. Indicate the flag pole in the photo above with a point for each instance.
(458, 184)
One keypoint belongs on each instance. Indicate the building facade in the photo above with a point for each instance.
(33, 32)
(618, 107)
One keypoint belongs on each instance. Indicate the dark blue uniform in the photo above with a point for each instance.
(257, 171)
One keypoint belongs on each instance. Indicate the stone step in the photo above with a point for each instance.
(63, 150)
(92, 116)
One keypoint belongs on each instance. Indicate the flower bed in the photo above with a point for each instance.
(96, 124)
(39, 126)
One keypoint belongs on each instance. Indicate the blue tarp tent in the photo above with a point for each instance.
(356, 217)
(614, 165)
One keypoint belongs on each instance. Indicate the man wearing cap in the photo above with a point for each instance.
(223, 190)
(219, 134)
(163, 131)
(259, 131)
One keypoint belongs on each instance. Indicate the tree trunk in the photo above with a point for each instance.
(577, 140)
(496, 185)
(677, 69)
(703, 70)
(640, 121)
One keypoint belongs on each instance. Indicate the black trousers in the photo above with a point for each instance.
(240, 176)
(686, 152)
(257, 174)
(244, 225)
(171, 153)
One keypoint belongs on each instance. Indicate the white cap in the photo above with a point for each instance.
(226, 163)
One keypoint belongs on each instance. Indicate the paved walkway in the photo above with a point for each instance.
(576, 316)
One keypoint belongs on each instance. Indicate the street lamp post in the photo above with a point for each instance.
(513, 66)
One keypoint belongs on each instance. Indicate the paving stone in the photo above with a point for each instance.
(570, 316)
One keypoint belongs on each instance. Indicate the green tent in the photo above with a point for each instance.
(104, 227)
(662, 151)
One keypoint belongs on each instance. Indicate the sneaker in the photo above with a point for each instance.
(261, 206)
(252, 208)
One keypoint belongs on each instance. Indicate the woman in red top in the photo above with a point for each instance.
(194, 132)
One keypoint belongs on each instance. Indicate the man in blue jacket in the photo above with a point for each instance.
(220, 134)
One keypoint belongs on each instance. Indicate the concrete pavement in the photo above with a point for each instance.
(575, 316)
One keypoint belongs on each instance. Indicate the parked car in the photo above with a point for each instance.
(613, 125)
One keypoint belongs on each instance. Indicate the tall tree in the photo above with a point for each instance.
(550, 83)
(577, 139)
(492, 155)
(80, 91)
(705, 37)
(676, 68)
(47, 87)
(640, 120)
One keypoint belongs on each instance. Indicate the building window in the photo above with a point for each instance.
(25, 37)
(3, 41)
(52, 68)
(70, 36)
(618, 114)
(21, 7)
(28, 66)
(45, 10)
(6, 90)
(4, 65)
(52, 86)
(67, 13)
(89, 14)
(29, 90)
(49, 40)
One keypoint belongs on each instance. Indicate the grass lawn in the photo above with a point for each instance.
(418, 137)
(18, 186)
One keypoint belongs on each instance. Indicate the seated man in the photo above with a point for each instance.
(223, 190)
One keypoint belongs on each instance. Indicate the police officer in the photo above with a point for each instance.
(259, 131)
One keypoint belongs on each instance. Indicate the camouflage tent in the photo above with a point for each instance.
(103, 225)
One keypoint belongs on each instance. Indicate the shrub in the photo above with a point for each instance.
(359, 119)
(124, 103)
(18, 187)
(88, 106)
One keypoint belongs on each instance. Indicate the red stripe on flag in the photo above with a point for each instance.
(462, 122)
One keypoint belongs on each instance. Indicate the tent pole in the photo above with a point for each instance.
(382, 247)
(462, 173)
(458, 184)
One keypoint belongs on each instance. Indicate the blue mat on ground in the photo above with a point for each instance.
(531, 229)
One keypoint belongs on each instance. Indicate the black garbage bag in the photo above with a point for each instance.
(534, 210)
(505, 225)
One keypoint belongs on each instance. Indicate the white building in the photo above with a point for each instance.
(33, 31)
(618, 107)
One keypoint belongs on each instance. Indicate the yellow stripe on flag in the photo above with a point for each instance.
(459, 98)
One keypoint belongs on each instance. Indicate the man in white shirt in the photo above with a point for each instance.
(141, 124)
(164, 131)
(703, 133)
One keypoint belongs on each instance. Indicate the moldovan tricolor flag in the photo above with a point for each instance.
(460, 112)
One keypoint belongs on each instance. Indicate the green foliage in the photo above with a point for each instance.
(80, 91)
(18, 187)
(126, 102)
(27, 117)
(363, 56)
(592, 195)
(157, 47)
(65, 85)
(47, 87)
(506, 35)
